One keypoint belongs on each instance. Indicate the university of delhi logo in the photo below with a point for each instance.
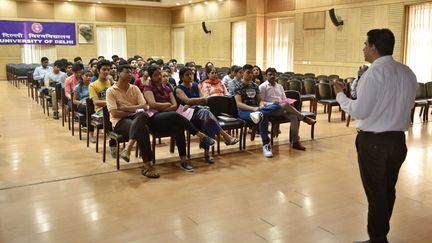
(36, 27)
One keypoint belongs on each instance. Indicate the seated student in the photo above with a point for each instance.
(187, 93)
(98, 88)
(51, 79)
(167, 80)
(236, 81)
(162, 100)
(113, 73)
(191, 66)
(274, 92)
(81, 93)
(69, 69)
(73, 80)
(133, 63)
(40, 72)
(230, 76)
(204, 75)
(213, 86)
(252, 107)
(257, 75)
(97, 92)
(143, 79)
(127, 106)
(173, 71)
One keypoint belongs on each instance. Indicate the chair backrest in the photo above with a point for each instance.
(428, 87)
(333, 77)
(420, 91)
(323, 91)
(299, 76)
(90, 107)
(58, 89)
(319, 77)
(309, 75)
(107, 125)
(309, 85)
(223, 104)
(283, 80)
(295, 84)
(65, 100)
(292, 94)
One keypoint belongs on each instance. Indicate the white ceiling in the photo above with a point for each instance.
(162, 3)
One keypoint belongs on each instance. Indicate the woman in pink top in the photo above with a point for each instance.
(213, 86)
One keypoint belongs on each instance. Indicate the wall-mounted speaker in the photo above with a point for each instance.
(334, 19)
(205, 28)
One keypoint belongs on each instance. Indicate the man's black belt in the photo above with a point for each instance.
(359, 131)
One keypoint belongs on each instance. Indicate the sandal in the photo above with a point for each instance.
(150, 173)
(232, 141)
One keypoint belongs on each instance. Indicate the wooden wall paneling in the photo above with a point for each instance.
(280, 5)
(8, 9)
(149, 41)
(396, 23)
(314, 20)
(150, 16)
(8, 54)
(110, 14)
(75, 12)
(178, 16)
(202, 12)
(36, 10)
(237, 8)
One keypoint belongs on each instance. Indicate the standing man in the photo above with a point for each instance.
(385, 96)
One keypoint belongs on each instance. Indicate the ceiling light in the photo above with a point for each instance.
(190, 2)
(69, 0)
(99, 2)
(177, 4)
(220, 0)
(205, 2)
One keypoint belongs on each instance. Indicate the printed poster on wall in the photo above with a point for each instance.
(37, 33)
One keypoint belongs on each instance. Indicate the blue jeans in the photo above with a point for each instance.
(268, 110)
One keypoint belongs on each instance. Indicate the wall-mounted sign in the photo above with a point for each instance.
(37, 33)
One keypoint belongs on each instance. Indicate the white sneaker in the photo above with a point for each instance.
(267, 151)
(256, 116)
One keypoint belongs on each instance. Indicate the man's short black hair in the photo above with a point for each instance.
(115, 58)
(43, 59)
(160, 62)
(173, 60)
(122, 61)
(76, 59)
(58, 64)
(270, 70)
(77, 67)
(247, 67)
(102, 63)
(129, 61)
(92, 60)
(69, 64)
(137, 57)
(101, 57)
(122, 67)
(383, 39)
